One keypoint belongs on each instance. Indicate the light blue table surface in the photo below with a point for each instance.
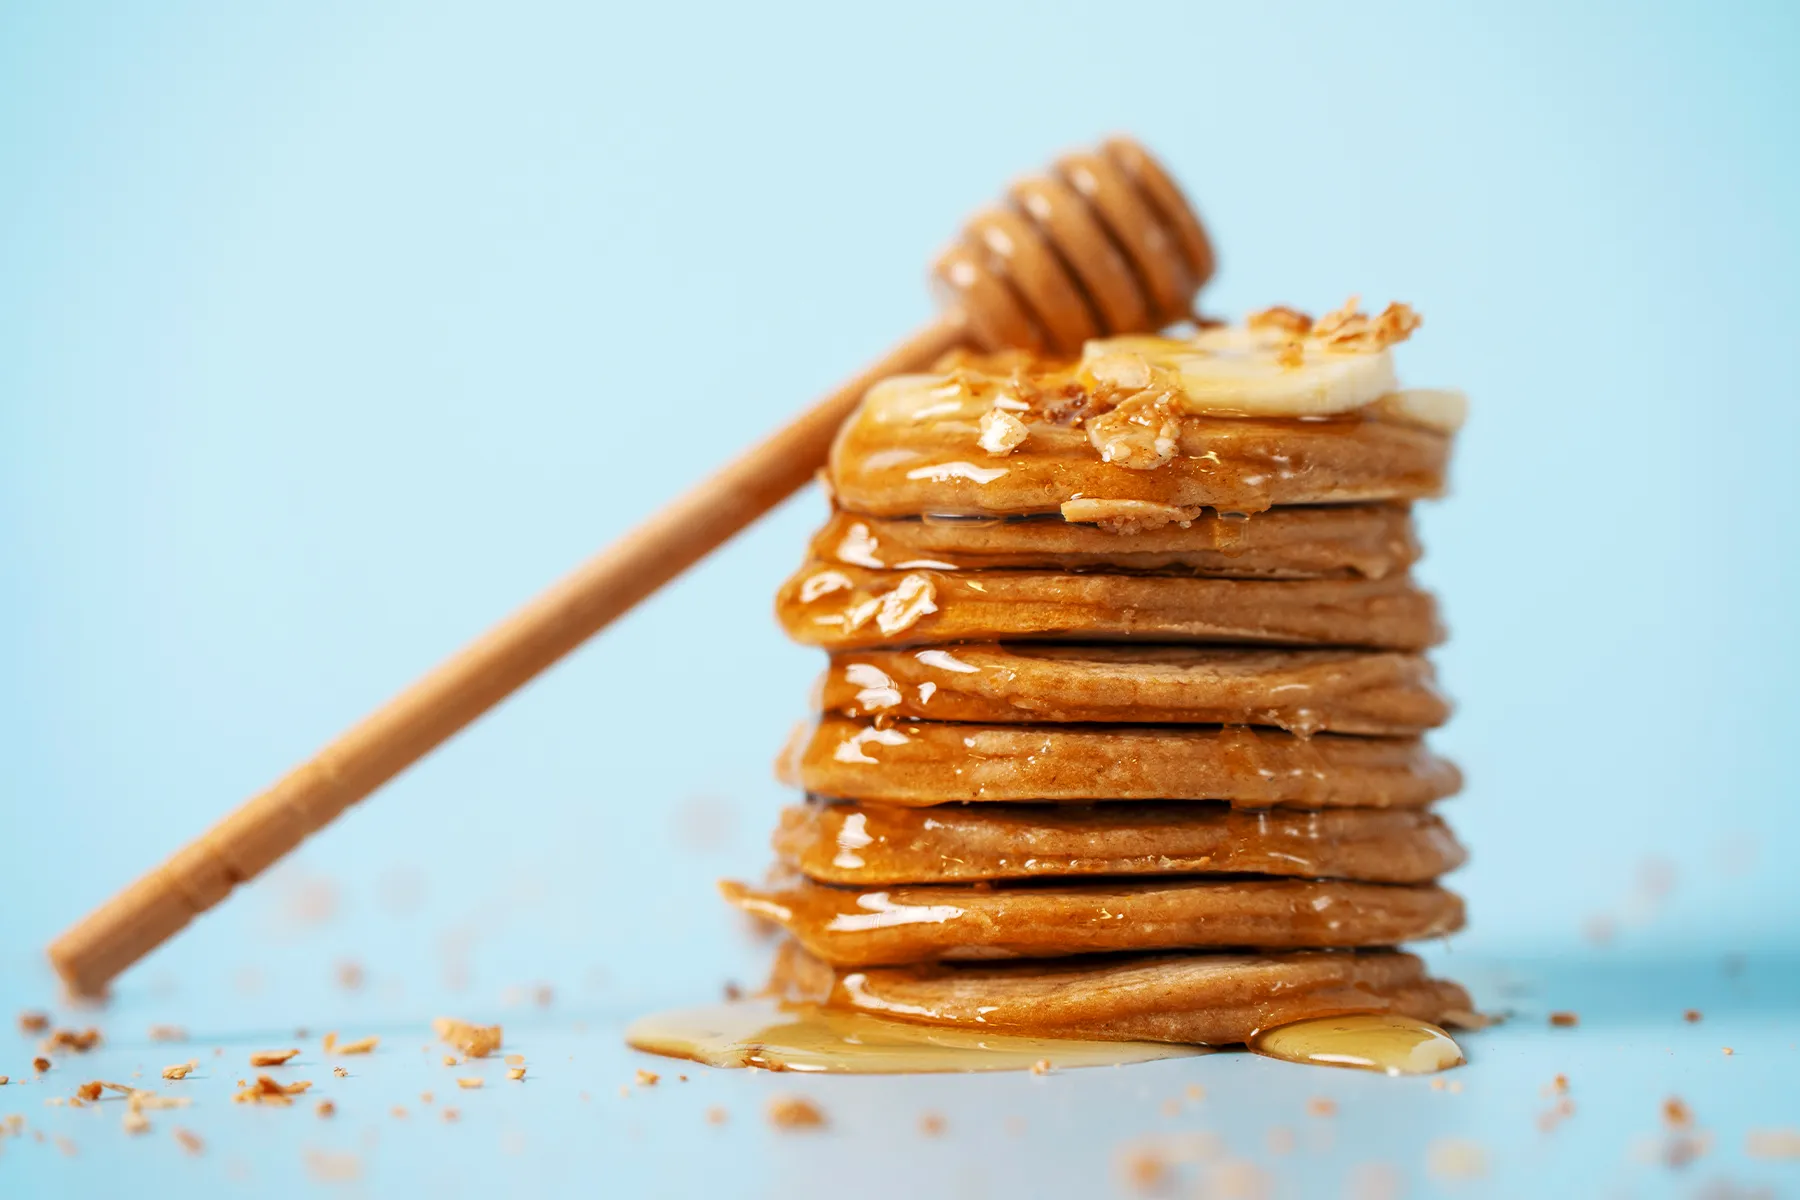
(330, 332)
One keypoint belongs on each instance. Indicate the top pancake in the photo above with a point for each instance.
(907, 451)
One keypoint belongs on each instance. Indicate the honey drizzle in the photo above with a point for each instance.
(1386, 1042)
(777, 1036)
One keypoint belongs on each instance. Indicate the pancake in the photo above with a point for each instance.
(842, 607)
(1374, 541)
(1204, 999)
(903, 453)
(875, 844)
(927, 762)
(855, 927)
(1302, 691)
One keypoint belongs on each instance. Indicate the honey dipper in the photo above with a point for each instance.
(1102, 243)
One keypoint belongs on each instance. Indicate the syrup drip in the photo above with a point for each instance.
(795, 1037)
(1385, 1042)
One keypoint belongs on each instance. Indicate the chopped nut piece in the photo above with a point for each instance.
(40, 1064)
(1140, 434)
(468, 1081)
(795, 1112)
(647, 1078)
(190, 1141)
(33, 1022)
(1691, 1016)
(913, 599)
(1280, 316)
(89, 1091)
(1564, 1020)
(340, 1072)
(180, 1070)
(515, 1073)
(1127, 516)
(474, 1041)
(4, 1080)
(1676, 1112)
(325, 1108)
(449, 1060)
(272, 1058)
(1001, 432)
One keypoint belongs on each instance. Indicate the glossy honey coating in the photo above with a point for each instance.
(879, 844)
(842, 607)
(1381, 693)
(1204, 999)
(859, 927)
(1322, 542)
(928, 762)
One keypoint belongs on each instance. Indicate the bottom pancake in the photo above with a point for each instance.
(1206, 999)
(876, 844)
(853, 927)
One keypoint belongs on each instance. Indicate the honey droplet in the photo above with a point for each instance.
(1385, 1042)
(785, 1037)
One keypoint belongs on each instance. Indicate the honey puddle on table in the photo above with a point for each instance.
(788, 1037)
(1385, 1042)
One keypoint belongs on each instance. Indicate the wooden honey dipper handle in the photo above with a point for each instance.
(1104, 243)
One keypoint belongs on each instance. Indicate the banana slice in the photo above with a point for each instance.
(1238, 372)
(1442, 409)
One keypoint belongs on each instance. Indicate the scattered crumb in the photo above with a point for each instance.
(1676, 1113)
(515, 1060)
(340, 1072)
(1281, 1140)
(270, 1091)
(89, 1091)
(1772, 1143)
(350, 975)
(932, 1124)
(189, 1141)
(624, 1091)
(272, 1058)
(1171, 1108)
(325, 1108)
(1322, 1106)
(1456, 1087)
(426, 1097)
(4, 1080)
(1564, 1020)
(468, 1081)
(717, 1116)
(68, 1148)
(1456, 1158)
(732, 991)
(1728, 1050)
(1145, 1170)
(795, 1112)
(647, 1078)
(359, 1046)
(1560, 1084)
(1041, 1067)
(180, 1070)
(40, 1064)
(1195, 1092)
(544, 994)
(398, 1111)
(1550, 1118)
(515, 1073)
(451, 1114)
(449, 1060)
(328, 1166)
(80, 1041)
(475, 1041)
(168, 1033)
(1691, 1016)
(32, 1022)
(135, 1122)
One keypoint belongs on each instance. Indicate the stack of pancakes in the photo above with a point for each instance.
(1121, 733)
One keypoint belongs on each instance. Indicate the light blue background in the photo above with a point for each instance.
(331, 332)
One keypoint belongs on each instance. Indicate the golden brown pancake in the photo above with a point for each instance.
(929, 762)
(843, 607)
(902, 467)
(1371, 540)
(876, 844)
(1303, 691)
(857, 927)
(1206, 999)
